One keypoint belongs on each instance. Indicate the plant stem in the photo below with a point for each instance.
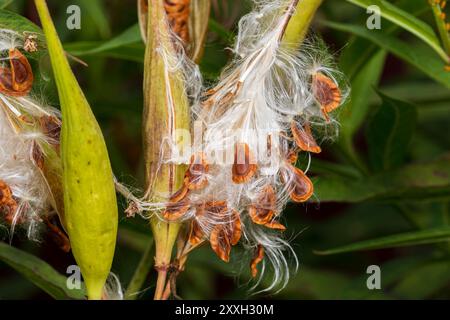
(442, 28)
(166, 110)
(300, 21)
(141, 272)
(160, 284)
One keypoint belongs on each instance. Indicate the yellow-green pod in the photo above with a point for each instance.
(89, 195)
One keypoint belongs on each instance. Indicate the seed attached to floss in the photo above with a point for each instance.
(51, 127)
(275, 226)
(244, 166)
(195, 178)
(263, 210)
(326, 92)
(180, 194)
(302, 186)
(17, 80)
(226, 235)
(196, 234)
(304, 138)
(176, 210)
(257, 258)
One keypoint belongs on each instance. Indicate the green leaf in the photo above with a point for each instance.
(5, 3)
(429, 236)
(407, 21)
(96, 10)
(415, 182)
(355, 111)
(14, 21)
(423, 282)
(392, 272)
(38, 272)
(416, 55)
(127, 45)
(390, 133)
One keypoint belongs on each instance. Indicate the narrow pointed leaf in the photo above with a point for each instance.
(38, 272)
(399, 240)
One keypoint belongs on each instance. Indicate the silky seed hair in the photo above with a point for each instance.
(265, 92)
(21, 137)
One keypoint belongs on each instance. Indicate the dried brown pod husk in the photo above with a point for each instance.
(195, 177)
(244, 166)
(304, 138)
(17, 80)
(257, 258)
(263, 210)
(302, 186)
(326, 92)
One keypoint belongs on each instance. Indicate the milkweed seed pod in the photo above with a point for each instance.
(188, 21)
(30, 170)
(89, 194)
(170, 79)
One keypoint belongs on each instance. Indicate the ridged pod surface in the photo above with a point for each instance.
(89, 194)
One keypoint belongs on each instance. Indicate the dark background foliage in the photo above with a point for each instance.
(382, 189)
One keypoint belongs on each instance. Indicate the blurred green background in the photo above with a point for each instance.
(382, 189)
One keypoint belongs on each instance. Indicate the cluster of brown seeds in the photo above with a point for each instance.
(226, 230)
(178, 15)
(16, 80)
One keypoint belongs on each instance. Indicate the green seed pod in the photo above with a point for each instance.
(89, 195)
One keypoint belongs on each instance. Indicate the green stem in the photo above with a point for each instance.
(444, 34)
(299, 23)
(141, 272)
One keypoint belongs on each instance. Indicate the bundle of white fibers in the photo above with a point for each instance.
(264, 93)
(20, 137)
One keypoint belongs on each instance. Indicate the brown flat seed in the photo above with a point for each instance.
(262, 211)
(275, 225)
(244, 166)
(304, 138)
(220, 243)
(292, 157)
(51, 127)
(195, 234)
(302, 187)
(18, 79)
(179, 195)
(326, 92)
(235, 228)
(195, 177)
(257, 258)
(176, 210)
